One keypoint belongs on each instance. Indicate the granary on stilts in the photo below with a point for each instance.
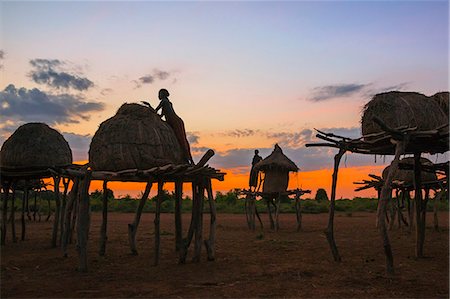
(276, 168)
(33, 152)
(394, 123)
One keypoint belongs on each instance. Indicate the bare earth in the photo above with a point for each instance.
(282, 264)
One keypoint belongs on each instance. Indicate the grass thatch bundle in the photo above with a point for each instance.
(135, 137)
(35, 145)
(407, 176)
(276, 168)
(398, 109)
(442, 99)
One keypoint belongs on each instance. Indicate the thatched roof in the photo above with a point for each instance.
(135, 138)
(398, 109)
(407, 176)
(35, 145)
(276, 160)
(442, 98)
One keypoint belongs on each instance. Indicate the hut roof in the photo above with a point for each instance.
(276, 160)
(397, 109)
(443, 100)
(407, 176)
(35, 145)
(134, 138)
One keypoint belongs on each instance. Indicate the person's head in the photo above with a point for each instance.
(163, 94)
(256, 152)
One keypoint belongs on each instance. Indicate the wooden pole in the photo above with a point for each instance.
(392, 211)
(277, 212)
(437, 198)
(73, 197)
(13, 213)
(410, 206)
(329, 232)
(103, 236)
(198, 241)
(418, 202)
(83, 222)
(192, 225)
(386, 193)
(178, 220)
(132, 227)
(269, 210)
(298, 211)
(159, 198)
(6, 187)
(210, 243)
(24, 205)
(65, 182)
(35, 205)
(74, 220)
(56, 180)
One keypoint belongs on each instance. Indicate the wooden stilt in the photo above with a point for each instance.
(418, 202)
(24, 206)
(386, 193)
(192, 225)
(65, 182)
(6, 187)
(73, 197)
(437, 198)
(247, 210)
(410, 206)
(269, 210)
(83, 222)
(392, 211)
(132, 227)
(157, 222)
(13, 213)
(210, 243)
(73, 221)
(103, 236)
(329, 232)
(178, 220)
(35, 205)
(56, 180)
(198, 241)
(298, 212)
(277, 212)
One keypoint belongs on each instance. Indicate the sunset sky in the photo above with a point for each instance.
(243, 75)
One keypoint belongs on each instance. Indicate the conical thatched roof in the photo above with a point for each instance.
(398, 109)
(135, 138)
(35, 145)
(407, 176)
(276, 160)
(443, 100)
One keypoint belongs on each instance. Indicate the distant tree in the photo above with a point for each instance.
(321, 195)
(99, 194)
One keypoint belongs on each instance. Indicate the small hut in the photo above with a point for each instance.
(403, 109)
(35, 145)
(134, 138)
(276, 168)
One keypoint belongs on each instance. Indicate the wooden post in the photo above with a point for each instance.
(298, 211)
(83, 222)
(269, 210)
(277, 211)
(6, 186)
(13, 213)
(247, 210)
(73, 197)
(56, 180)
(192, 225)
(35, 205)
(74, 220)
(199, 224)
(392, 210)
(386, 193)
(178, 219)
(410, 206)
(65, 182)
(24, 205)
(329, 232)
(437, 198)
(210, 243)
(132, 227)
(418, 201)
(103, 236)
(157, 222)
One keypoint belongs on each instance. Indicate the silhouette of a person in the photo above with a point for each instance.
(175, 122)
(253, 181)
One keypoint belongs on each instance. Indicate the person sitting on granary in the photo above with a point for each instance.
(175, 122)
(253, 181)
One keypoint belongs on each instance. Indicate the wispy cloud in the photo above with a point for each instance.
(49, 72)
(26, 105)
(2, 56)
(192, 137)
(328, 92)
(240, 133)
(152, 77)
(398, 87)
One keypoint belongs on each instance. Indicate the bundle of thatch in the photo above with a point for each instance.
(35, 145)
(397, 109)
(135, 138)
(407, 176)
(276, 168)
(442, 98)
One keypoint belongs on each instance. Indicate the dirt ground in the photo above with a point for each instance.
(249, 264)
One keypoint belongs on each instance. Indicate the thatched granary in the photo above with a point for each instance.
(276, 168)
(134, 138)
(397, 109)
(407, 176)
(35, 145)
(442, 98)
